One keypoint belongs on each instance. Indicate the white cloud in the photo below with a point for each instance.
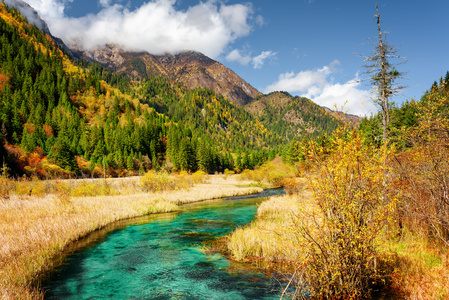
(320, 88)
(259, 60)
(235, 55)
(156, 26)
(236, 16)
(105, 3)
(244, 59)
(260, 20)
(347, 97)
(49, 8)
(309, 81)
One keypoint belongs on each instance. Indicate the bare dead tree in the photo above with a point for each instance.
(383, 73)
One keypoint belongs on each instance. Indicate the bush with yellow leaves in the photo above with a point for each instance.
(353, 206)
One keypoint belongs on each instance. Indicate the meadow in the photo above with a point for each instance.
(39, 219)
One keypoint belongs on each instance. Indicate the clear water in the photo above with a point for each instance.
(161, 257)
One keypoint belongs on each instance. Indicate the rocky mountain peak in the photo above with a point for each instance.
(191, 68)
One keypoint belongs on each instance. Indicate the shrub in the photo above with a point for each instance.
(350, 188)
(6, 185)
(199, 177)
(228, 172)
(159, 182)
(423, 171)
(271, 173)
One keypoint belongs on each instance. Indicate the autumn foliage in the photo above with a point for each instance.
(353, 207)
(372, 199)
(423, 170)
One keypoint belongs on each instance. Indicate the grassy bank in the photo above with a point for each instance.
(417, 269)
(268, 236)
(33, 229)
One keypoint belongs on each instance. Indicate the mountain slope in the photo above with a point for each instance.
(62, 119)
(190, 68)
(292, 117)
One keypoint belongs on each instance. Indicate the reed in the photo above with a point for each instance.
(33, 229)
(270, 236)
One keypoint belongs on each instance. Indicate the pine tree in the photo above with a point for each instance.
(384, 74)
(64, 155)
(130, 163)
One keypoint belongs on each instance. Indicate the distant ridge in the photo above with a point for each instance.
(193, 69)
(293, 116)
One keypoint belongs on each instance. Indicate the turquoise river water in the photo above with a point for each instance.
(161, 257)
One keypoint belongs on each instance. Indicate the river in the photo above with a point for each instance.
(161, 257)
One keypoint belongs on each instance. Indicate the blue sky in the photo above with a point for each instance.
(306, 47)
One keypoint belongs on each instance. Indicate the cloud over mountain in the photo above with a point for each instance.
(318, 86)
(157, 26)
(244, 59)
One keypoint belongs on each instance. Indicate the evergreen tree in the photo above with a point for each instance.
(64, 156)
(130, 163)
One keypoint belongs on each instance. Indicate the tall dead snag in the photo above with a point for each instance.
(383, 73)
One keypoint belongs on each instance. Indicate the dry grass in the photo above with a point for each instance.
(271, 236)
(34, 229)
(420, 270)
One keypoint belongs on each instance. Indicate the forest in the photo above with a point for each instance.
(62, 117)
(65, 117)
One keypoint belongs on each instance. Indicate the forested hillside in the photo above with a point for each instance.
(292, 117)
(59, 118)
(405, 117)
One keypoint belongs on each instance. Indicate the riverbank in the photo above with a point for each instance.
(417, 269)
(33, 229)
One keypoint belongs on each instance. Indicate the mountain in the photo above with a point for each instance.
(60, 117)
(190, 68)
(66, 117)
(292, 117)
(33, 17)
(297, 117)
(29, 13)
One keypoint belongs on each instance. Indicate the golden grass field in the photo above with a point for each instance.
(34, 229)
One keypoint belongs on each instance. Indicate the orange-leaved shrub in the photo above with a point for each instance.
(423, 171)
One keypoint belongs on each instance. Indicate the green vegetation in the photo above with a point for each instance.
(66, 118)
(373, 212)
(292, 117)
(61, 119)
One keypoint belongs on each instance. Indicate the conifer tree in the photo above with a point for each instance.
(383, 74)
(130, 163)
